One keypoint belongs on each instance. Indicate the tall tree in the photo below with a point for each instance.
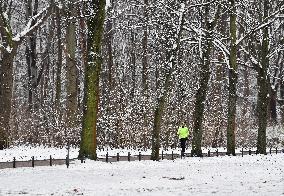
(95, 24)
(204, 79)
(72, 72)
(171, 63)
(233, 79)
(8, 51)
(263, 84)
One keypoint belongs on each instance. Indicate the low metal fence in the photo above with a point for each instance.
(136, 157)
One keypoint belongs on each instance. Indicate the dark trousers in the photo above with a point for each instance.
(182, 144)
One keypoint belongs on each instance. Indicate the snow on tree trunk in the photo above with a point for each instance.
(203, 83)
(172, 60)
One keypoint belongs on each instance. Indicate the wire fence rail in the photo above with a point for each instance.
(136, 157)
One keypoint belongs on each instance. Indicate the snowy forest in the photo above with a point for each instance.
(126, 74)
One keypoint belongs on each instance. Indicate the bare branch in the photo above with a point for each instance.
(254, 60)
(276, 51)
(200, 4)
(223, 48)
(40, 18)
(261, 26)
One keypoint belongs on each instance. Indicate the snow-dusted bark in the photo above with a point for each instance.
(31, 50)
(172, 60)
(198, 115)
(58, 89)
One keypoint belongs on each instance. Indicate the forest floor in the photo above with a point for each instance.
(223, 175)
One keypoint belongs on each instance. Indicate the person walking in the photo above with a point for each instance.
(183, 134)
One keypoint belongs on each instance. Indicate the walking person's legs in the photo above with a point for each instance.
(182, 144)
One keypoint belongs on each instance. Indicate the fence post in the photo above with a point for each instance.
(270, 150)
(67, 157)
(217, 152)
(82, 159)
(67, 161)
(107, 157)
(14, 162)
(117, 157)
(208, 153)
(139, 156)
(172, 155)
(162, 155)
(276, 150)
(128, 156)
(50, 160)
(242, 152)
(33, 161)
(249, 151)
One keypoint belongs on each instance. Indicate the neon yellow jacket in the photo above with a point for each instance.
(183, 132)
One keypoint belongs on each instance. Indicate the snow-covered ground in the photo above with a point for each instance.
(24, 153)
(249, 175)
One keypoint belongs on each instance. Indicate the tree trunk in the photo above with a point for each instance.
(133, 63)
(157, 123)
(218, 107)
(88, 143)
(233, 79)
(72, 75)
(263, 84)
(6, 79)
(281, 101)
(171, 58)
(84, 52)
(273, 89)
(59, 61)
(272, 104)
(203, 84)
(31, 10)
(6, 85)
